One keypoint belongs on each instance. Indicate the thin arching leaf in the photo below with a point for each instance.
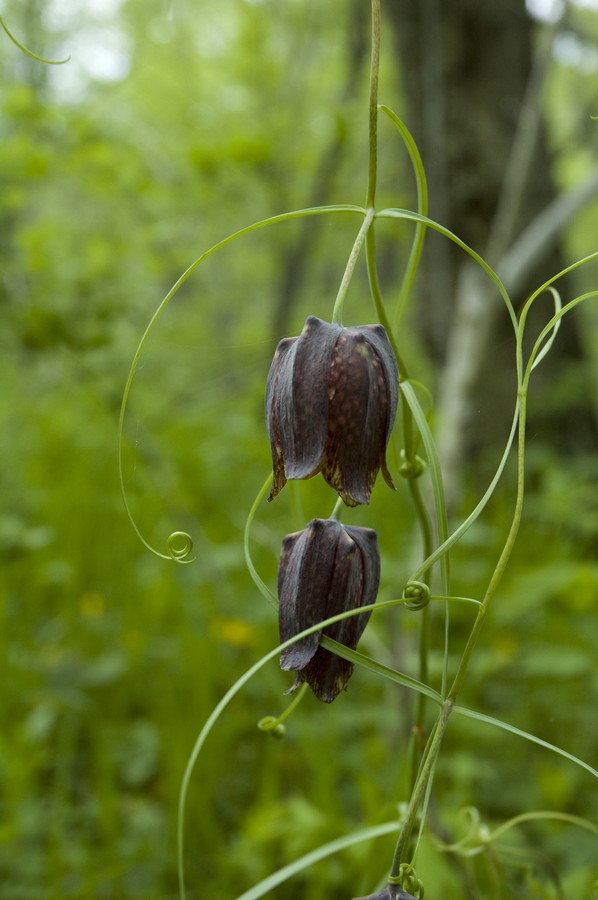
(286, 872)
(474, 515)
(393, 213)
(422, 208)
(273, 220)
(257, 580)
(490, 720)
(241, 682)
(435, 475)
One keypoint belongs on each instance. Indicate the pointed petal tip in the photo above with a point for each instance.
(279, 478)
(297, 656)
(392, 892)
(297, 683)
(351, 502)
(388, 477)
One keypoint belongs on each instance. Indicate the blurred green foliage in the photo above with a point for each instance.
(112, 658)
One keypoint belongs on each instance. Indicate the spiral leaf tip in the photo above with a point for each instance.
(417, 595)
(272, 726)
(180, 547)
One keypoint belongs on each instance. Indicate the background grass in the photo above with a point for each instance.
(111, 658)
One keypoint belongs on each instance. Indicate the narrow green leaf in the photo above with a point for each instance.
(377, 668)
(234, 690)
(436, 226)
(469, 521)
(422, 208)
(282, 875)
(435, 475)
(490, 720)
(544, 815)
(258, 581)
(540, 348)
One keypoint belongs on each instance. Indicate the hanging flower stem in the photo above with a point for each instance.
(337, 312)
(373, 105)
(408, 436)
(402, 849)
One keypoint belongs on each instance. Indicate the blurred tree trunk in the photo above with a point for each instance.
(293, 265)
(472, 76)
(26, 22)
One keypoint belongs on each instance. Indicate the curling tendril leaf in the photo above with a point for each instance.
(272, 220)
(271, 725)
(180, 547)
(274, 724)
(417, 595)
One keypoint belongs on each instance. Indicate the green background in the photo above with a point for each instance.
(173, 125)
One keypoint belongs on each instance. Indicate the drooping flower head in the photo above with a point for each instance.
(392, 892)
(331, 401)
(327, 568)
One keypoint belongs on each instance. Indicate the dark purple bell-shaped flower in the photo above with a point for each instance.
(325, 569)
(331, 401)
(392, 892)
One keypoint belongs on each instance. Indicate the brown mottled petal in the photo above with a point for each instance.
(377, 337)
(345, 594)
(297, 402)
(309, 418)
(331, 401)
(348, 388)
(278, 399)
(378, 417)
(363, 589)
(327, 675)
(304, 578)
(326, 569)
(357, 420)
(387, 476)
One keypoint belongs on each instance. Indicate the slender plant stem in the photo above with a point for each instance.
(370, 249)
(426, 769)
(337, 511)
(421, 512)
(414, 490)
(337, 312)
(373, 105)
